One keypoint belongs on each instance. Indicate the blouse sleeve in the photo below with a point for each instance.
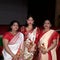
(55, 36)
(6, 36)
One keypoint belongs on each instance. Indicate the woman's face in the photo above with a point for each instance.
(30, 21)
(15, 26)
(47, 24)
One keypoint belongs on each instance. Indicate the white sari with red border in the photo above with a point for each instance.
(31, 37)
(16, 43)
(45, 40)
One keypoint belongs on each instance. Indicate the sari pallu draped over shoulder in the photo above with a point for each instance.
(46, 39)
(16, 44)
(31, 38)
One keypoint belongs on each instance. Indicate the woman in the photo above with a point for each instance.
(31, 34)
(13, 42)
(48, 43)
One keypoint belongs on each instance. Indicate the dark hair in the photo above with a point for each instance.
(33, 24)
(29, 17)
(14, 21)
(48, 20)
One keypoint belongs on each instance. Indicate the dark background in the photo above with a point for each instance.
(41, 10)
(13, 10)
(20, 9)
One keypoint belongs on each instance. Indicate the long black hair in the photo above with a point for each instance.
(14, 21)
(33, 23)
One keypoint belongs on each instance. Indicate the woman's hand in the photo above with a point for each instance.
(21, 52)
(33, 49)
(15, 57)
(44, 51)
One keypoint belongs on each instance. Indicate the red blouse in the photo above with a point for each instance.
(37, 34)
(8, 36)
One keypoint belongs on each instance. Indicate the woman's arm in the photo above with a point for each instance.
(52, 45)
(50, 48)
(44, 50)
(5, 44)
(55, 42)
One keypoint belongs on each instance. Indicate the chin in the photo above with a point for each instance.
(30, 24)
(16, 30)
(46, 27)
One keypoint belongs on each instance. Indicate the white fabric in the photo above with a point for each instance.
(31, 37)
(14, 47)
(53, 51)
(44, 40)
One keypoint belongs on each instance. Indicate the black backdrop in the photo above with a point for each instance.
(41, 10)
(19, 9)
(13, 10)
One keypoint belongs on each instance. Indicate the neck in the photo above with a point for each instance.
(14, 32)
(47, 29)
(30, 26)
